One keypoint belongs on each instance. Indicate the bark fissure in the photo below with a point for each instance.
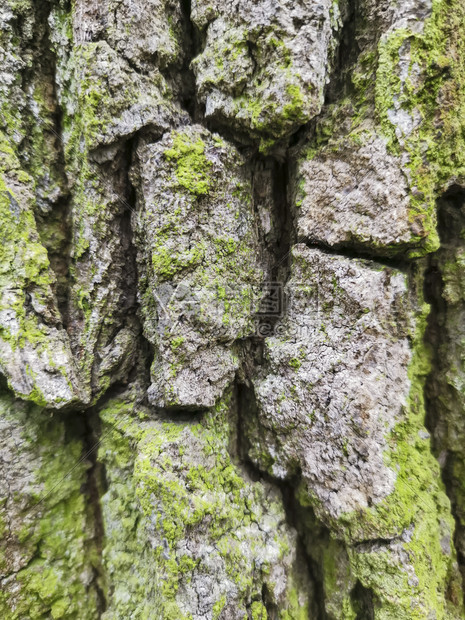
(443, 397)
(94, 487)
(247, 417)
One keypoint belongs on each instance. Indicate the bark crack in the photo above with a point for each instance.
(444, 400)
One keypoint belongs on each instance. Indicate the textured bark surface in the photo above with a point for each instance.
(232, 309)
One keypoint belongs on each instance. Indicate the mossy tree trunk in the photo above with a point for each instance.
(232, 298)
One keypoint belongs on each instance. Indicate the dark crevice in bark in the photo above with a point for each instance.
(184, 416)
(271, 610)
(346, 56)
(392, 262)
(56, 235)
(280, 173)
(444, 335)
(85, 427)
(270, 180)
(192, 47)
(245, 405)
(248, 424)
(57, 228)
(118, 390)
(370, 544)
(262, 203)
(41, 151)
(89, 426)
(362, 599)
(308, 539)
(94, 488)
(145, 348)
(124, 314)
(130, 277)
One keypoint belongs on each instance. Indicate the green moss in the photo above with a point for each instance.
(295, 363)
(183, 482)
(294, 109)
(258, 611)
(49, 519)
(296, 610)
(226, 245)
(193, 168)
(281, 50)
(218, 607)
(20, 6)
(270, 117)
(167, 263)
(177, 342)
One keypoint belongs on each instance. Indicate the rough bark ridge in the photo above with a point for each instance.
(232, 301)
